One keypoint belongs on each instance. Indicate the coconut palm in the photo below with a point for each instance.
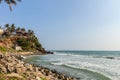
(18, 29)
(10, 2)
(23, 29)
(7, 32)
(7, 26)
(30, 32)
(12, 28)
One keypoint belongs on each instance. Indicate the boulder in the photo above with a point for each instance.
(3, 69)
(15, 75)
(36, 69)
(10, 67)
(1, 56)
(19, 65)
(20, 70)
(38, 78)
(29, 67)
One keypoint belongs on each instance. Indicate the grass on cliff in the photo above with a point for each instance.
(3, 49)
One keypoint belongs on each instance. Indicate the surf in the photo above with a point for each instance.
(96, 65)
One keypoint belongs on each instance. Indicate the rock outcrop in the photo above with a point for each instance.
(12, 67)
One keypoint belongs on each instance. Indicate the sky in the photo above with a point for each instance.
(68, 24)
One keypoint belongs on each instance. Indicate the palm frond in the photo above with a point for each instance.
(10, 2)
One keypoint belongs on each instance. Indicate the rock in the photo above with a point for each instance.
(36, 69)
(23, 69)
(49, 52)
(110, 57)
(38, 78)
(9, 67)
(20, 70)
(29, 67)
(62, 76)
(19, 65)
(3, 69)
(2, 61)
(11, 64)
(1, 56)
(14, 75)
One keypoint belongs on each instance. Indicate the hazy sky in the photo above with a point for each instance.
(69, 24)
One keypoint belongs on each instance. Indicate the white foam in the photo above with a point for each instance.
(57, 64)
(107, 67)
(100, 64)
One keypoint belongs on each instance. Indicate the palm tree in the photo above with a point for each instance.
(7, 32)
(30, 32)
(23, 29)
(10, 2)
(12, 28)
(18, 29)
(7, 26)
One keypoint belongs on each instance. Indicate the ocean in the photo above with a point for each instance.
(84, 65)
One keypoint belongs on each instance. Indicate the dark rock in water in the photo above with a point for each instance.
(49, 52)
(110, 57)
(77, 78)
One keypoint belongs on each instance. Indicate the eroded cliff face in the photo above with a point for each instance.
(7, 42)
(26, 44)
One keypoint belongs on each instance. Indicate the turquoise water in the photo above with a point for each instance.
(86, 65)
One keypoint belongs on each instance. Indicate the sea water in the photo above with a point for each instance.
(84, 65)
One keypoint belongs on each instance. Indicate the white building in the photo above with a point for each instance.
(18, 48)
(1, 31)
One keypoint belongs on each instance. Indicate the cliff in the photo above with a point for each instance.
(20, 44)
(18, 39)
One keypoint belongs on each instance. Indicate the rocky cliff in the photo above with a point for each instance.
(26, 44)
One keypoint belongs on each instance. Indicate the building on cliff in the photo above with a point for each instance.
(18, 48)
(1, 31)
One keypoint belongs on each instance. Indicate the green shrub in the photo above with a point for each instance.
(29, 44)
(3, 49)
(24, 43)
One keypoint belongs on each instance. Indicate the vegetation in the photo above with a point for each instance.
(25, 44)
(10, 2)
(3, 49)
(43, 78)
(29, 44)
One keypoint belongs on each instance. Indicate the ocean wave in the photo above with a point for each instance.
(104, 68)
(73, 66)
(57, 64)
(107, 65)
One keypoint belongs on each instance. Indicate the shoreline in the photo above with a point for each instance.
(12, 65)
